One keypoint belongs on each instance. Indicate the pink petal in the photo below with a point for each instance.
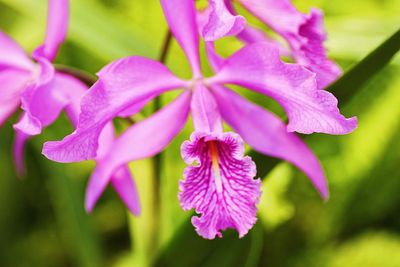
(304, 33)
(146, 137)
(312, 54)
(134, 109)
(142, 140)
(125, 186)
(181, 18)
(57, 26)
(121, 178)
(72, 90)
(216, 61)
(29, 124)
(252, 34)
(258, 67)
(45, 73)
(204, 111)
(18, 152)
(281, 15)
(42, 108)
(12, 55)
(121, 84)
(221, 22)
(220, 187)
(267, 134)
(44, 101)
(12, 84)
(248, 35)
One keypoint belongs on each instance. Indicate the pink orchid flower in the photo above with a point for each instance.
(304, 33)
(220, 185)
(44, 92)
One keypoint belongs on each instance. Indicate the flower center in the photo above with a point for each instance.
(215, 166)
(34, 75)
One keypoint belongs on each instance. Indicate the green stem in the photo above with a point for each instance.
(85, 77)
(157, 106)
(256, 246)
(360, 73)
(157, 160)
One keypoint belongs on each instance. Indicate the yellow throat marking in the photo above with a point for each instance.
(215, 166)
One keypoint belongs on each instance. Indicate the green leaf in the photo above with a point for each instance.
(80, 240)
(354, 79)
(189, 249)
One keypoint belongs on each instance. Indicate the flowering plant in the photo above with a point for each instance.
(287, 63)
(221, 187)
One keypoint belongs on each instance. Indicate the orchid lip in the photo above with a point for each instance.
(221, 188)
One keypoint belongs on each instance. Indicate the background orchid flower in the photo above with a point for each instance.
(304, 33)
(221, 186)
(44, 92)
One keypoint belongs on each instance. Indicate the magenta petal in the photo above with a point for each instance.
(181, 18)
(121, 84)
(125, 186)
(253, 35)
(44, 102)
(267, 134)
(248, 35)
(18, 152)
(145, 139)
(312, 54)
(12, 84)
(121, 179)
(72, 90)
(304, 33)
(220, 187)
(12, 55)
(258, 67)
(204, 111)
(134, 109)
(57, 25)
(46, 71)
(28, 124)
(40, 100)
(216, 61)
(142, 140)
(43, 107)
(221, 22)
(280, 15)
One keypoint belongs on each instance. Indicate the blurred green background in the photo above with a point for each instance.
(42, 221)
